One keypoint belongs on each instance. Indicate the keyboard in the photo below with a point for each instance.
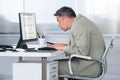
(6, 47)
(47, 48)
(41, 49)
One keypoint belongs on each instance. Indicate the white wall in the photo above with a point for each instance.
(45, 9)
(105, 13)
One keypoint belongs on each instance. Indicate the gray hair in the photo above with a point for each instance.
(65, 11)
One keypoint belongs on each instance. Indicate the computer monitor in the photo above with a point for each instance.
(28, 32)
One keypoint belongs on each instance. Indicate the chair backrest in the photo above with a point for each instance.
(104, 61)
(108, 46)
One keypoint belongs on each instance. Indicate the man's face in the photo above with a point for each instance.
(63, 23)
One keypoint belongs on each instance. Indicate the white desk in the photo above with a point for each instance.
(43, 54)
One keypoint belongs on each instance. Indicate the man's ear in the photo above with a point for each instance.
(66, 19)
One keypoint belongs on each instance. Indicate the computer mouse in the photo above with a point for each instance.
(20, 50)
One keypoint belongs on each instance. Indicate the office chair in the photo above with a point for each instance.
(103, 62)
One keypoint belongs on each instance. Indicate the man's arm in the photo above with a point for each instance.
(58, 46)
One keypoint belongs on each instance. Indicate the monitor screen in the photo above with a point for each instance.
(28, 31)
(28, 26)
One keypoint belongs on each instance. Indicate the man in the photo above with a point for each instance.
(85, 39)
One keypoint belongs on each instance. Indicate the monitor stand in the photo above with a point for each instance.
(21, 44)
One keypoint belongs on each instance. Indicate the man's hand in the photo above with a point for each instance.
(58, 46)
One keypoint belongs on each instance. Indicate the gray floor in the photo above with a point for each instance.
(113, 59)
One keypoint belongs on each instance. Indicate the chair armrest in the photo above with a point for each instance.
(80, 57)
